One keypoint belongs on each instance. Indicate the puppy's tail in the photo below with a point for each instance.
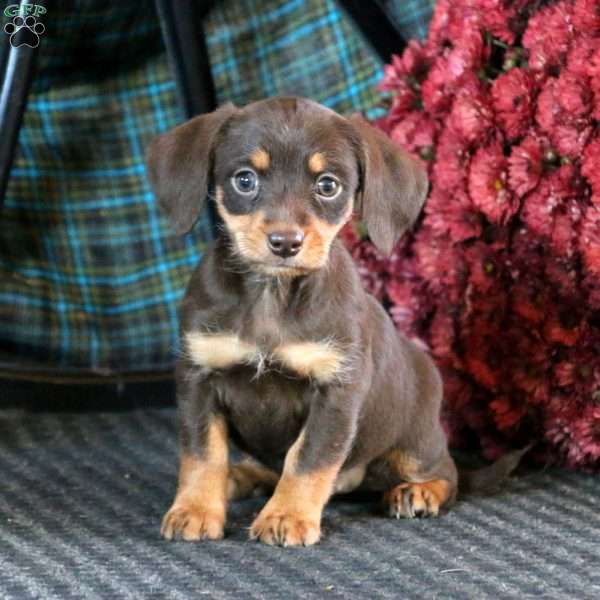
(487, 479)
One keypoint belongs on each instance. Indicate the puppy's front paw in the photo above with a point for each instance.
(285, 529)
(413, 500)
(191, 523)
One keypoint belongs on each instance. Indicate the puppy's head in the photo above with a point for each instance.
(287, 174)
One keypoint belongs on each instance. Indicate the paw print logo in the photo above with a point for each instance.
(24, 32)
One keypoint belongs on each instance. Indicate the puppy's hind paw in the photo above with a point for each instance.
(410, 500)
(191, 524)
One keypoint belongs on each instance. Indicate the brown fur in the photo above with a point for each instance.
(292, 516)
(306, 370)
(198, 510)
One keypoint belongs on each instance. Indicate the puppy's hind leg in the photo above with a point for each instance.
(424, 489)
(425, 473)
(249, 478)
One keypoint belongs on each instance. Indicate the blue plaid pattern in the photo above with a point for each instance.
(410, 17)
(90, 273)
(306, 48)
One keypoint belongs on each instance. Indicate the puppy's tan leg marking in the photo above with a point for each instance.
(292, 517)
(417, 499)
(198, 511)
(218, 351)
(320, 361)
(248, 478)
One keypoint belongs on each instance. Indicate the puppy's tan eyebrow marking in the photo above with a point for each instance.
(317, 162)
(260, 159)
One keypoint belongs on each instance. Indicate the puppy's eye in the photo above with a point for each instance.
(245, 181)
(328, 187)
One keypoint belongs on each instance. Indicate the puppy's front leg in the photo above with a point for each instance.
(198, 511)
(292, 517)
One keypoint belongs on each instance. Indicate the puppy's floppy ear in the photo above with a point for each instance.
(179, 166)
(393, 186)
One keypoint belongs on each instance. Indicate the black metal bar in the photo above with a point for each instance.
(375, 24)
(181, 25)
(17, 65)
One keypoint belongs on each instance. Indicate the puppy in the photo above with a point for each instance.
(283, 352)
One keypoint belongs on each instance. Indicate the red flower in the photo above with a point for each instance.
(564, 373)
(371, 265)
(451, 69)
(586, 16)
(589, 166)
(513, 102)
(415, 132)
(452, 159)
(570, 140)
(455, 216)
(412, 65)
(501, 280)
(404, 294)
(539, 206)
(528, 302)
(507, 412)
(548, 108)
(525, 166)
(484, 262)
(497, 17)
(471, 117)
(488, 184)
(574, 96)
(577, 435)
(580, 55)
(548, 36)
(442, 336)
(589, 240)
(593, 72)
(562, 327)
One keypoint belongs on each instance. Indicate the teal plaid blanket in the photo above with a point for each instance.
(90, 273)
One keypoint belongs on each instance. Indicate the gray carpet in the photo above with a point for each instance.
(82, 495)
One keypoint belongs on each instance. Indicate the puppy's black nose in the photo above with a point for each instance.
(285, 243)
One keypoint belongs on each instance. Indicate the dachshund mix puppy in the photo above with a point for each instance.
(284, 353)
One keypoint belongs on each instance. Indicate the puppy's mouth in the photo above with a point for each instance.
(282, 267)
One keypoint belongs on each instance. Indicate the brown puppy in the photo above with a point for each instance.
(283, 351)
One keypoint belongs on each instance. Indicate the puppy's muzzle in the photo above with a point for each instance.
(285, 243)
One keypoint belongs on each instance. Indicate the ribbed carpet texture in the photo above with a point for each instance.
(82, 495)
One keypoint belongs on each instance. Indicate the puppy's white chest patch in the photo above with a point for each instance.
(321, 361)
(219, 350)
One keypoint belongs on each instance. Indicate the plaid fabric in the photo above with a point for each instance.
(90, 273)
(410, 17)
(297, 47)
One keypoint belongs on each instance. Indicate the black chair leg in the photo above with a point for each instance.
(17, 65)
(181, 25)
(375, 24)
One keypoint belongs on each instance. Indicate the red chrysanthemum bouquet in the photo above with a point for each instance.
(501, 279)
